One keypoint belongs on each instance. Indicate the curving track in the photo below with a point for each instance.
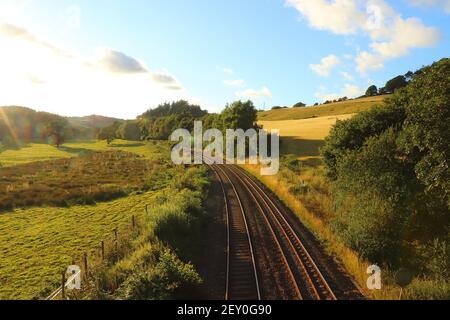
(266, 257)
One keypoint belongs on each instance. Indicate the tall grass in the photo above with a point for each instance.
(152, 268)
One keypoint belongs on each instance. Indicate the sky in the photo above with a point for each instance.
(121, 57)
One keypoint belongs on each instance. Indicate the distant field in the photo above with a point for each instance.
(339, 108)
(43, 152)
(303, 138)
(98, 176)
(31, 153)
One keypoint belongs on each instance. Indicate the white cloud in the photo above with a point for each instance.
(445, 4)
(118, 62)
(234, 83)
(402, 35)
(347, 76)
(228, 71)
(252, 93)
(349, 91)
(326, 65)
(391, 35)
(38, 74)
(338, 16)
(13, 31)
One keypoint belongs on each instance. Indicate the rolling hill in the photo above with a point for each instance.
(303, 130)
(93, 121)
(332, 109)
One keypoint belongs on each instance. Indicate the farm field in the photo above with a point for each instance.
(304, 137)
(332, 109)
(38, 243)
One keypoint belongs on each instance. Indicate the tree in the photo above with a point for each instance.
(351, 134)
(54, 132)
(129, 130)
(375, 197)
(395, 84)
(426, 136)
(109, 133)
(372, 91)
(390, 171)
(300, 105)
(178, 107)
(240, 115)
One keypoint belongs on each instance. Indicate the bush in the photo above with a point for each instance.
(168, 279)
(153, 269)
(373, 199)
(428, 289)
(351, 134)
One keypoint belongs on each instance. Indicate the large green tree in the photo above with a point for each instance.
(109, 133)
(129, 130)
(55, 132)
(372, 91)
(240, 115)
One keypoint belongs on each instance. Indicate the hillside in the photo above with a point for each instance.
(332, 109)
(93, 121)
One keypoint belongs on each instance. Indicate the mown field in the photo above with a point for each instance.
(332, 109)
(304, 137)
(38, 243)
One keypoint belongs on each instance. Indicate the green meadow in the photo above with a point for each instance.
(38, 243)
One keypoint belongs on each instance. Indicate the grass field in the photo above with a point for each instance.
(31, 153)
(43, 152)
(333, 109)
(38, 243)
(303, 138)
(97, 176)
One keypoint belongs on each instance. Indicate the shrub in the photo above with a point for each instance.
(373, 199)
(168, 279)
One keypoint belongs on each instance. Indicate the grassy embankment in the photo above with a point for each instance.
(38, 243)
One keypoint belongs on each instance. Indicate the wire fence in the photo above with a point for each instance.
(108, 249)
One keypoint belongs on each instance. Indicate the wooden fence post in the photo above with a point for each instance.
(133, 218)
(103, 249)
(63, 285)
(85, 258)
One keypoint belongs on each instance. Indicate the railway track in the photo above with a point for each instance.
(242, 282)
(292, 257)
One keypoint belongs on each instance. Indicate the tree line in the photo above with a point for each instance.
(160, 122)
(390, 169)
(19, 125)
